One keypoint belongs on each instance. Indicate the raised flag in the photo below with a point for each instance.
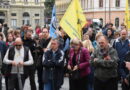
(127, 15)
(73, 20)
(53, 23)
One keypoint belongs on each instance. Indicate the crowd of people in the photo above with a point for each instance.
(100, 61)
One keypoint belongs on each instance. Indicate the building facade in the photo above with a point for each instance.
(21, 12)
(105, 10)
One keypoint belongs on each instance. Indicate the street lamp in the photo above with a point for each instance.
(105, 11)
(110, 10)
(93, 8)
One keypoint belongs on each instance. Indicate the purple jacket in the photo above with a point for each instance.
(84, 65)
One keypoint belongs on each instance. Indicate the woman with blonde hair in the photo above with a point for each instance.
(94, 43)
(78, 65)
(88, 44)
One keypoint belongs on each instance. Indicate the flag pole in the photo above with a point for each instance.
(79, 22)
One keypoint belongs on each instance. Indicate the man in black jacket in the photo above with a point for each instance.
(53, 64)
(44, 42)
(29, 42)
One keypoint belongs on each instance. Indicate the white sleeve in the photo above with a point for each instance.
(6, 60)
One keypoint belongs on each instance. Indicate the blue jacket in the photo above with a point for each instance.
(2, 48)
(122, 50)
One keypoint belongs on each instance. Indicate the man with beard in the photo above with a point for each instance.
(44, 42)
(29, 42)
(46, 38)
(104, 60)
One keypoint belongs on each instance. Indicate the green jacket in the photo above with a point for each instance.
(105, 69)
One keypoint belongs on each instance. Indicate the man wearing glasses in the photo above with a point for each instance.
(17, 58)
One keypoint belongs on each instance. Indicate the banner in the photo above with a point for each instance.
(53, 24)
(73, 20)
(127, 15)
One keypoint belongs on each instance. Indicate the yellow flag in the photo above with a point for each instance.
(73, 20)
(127, 15)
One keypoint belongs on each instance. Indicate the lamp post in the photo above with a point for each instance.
(93, 9)
(110, 10)
(105, 11)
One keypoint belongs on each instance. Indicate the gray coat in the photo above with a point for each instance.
(105, 69)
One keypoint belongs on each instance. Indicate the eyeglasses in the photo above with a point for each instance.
(53, 43)
(44, 32)
(18, 45)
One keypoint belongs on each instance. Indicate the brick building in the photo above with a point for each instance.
(105, 10)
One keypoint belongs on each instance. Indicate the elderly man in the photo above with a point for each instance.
(104, 60)
(17, 58)
(53, 66)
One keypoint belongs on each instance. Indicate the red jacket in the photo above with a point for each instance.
(84, 65)
(38, 31)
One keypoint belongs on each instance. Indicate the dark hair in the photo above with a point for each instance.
(8, 36)
(116, 33)
(45, 28)
(110, 24)
(5, 25)
(109, 29)
(1, 35)
(56, 39)
(16, 32)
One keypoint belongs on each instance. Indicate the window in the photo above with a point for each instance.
(117, 3)
(37, 21)
(36, 1)
(36, 14)
(13, 1)
(83, 4)
(100, 3)
(2, 14)
(13, 14)
(117, 22)
(25, 1)
(26, 14)
(87, 4)
(129, 2)
(91, 3)
(26, 18)
(26, 22)
(13, 22)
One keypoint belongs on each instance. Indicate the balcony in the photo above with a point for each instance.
(4, 4)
